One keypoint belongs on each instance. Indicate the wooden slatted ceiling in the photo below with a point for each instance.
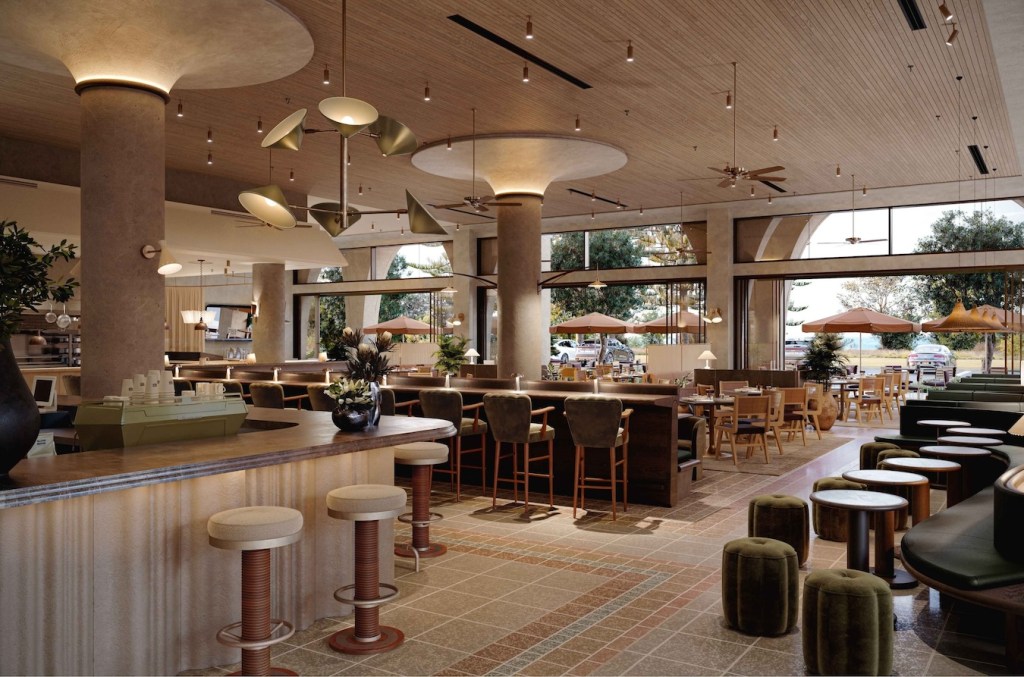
(832, 74)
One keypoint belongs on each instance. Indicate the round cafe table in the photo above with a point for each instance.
(920, 503)
(967, 457)
(941, 424)
(858, 504)
(971, 431)
(932, 465)
(968, 441)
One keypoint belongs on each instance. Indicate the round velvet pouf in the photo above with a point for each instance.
(847, 623)
(784, 518)
(831, 523)
(760, 586)
(869, 453)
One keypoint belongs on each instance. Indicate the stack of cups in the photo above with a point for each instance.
(153, 386)
(166, 388)
(138, 395)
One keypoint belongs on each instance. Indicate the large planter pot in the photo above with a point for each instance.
(829, 411)
(19, 415)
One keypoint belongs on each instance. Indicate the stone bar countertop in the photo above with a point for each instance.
(269, 437)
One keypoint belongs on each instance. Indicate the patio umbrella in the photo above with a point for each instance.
(399, 325)
(1014, 321)
(592, 323)
(862, 320)
(960, 319)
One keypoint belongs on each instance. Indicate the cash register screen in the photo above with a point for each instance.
(44, 390)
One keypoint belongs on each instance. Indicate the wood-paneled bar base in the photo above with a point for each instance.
(105, 558)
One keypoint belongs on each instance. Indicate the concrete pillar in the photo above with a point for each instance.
(519, 324)
(719, 292)
(122, 157)
(462, 257)
(269, 337)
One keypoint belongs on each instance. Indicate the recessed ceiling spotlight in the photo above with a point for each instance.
(291, 175)
(593, 195)
(577, 123)
(728, 101)
(327, 75)
(838, 172)
(629, 51)
(641, 209)
(529, 28)
(618, 204)
(775, 133)
(751, 191)
(592, 214)
(259, 124)
(526, 72)
(360, 189)
(944, 11)
(426, 91)
(864, 190)
(181, 109)
(209, 158)
(209, 135)
(449, 146)
(769, 198)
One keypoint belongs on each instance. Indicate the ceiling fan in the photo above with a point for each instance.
(478, 203)
(853, 239)
(733, 172)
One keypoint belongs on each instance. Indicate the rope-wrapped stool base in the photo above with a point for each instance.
(420, 519)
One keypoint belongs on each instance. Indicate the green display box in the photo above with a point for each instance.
(114, 424)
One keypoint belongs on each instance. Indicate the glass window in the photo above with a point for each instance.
(988, 226)
(669, 244)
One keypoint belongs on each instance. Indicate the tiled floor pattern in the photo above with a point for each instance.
(538, 593)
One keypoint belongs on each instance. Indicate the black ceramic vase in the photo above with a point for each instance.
(19, 415)
(349, 420)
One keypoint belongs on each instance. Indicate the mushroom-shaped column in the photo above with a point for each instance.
(124, 61)
(519, 168)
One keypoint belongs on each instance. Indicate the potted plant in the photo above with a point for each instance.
(450, 353)
(354, 403)
(822, 363)
(367, 360)
(24, 284)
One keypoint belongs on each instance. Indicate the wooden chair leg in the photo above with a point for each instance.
(612, 473)
(625, 477)
(497, 462)
(526, 475)
(576, 482)
(551, 473)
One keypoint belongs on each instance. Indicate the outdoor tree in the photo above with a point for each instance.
(608, 249)
(957, 231)
(892, 295)
(792, 307)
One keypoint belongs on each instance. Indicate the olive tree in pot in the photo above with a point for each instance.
(24, 284)
(822, 363)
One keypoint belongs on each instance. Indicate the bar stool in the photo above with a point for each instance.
(509, 415)
(255, 530)
(366, 505)
(594, 422)
(446, 403)
(422, 456)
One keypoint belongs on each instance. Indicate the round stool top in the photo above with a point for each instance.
(888, 477)
(950, 451)
(366, 502)
(256, 527)
(854, 499)
(847, 582)
(969, 441)
(976, 432)
(943, 423)
(421, 453)
(760, 547)
(778, 501)
(921, 464)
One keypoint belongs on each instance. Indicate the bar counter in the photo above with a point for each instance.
(105, 558)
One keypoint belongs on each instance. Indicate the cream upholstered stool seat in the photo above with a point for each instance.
(422, 456)
(366, 505)
(255, 530)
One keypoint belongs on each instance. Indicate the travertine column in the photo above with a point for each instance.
(720, 285)
(122, 210)
(518, 272)
(269, 339)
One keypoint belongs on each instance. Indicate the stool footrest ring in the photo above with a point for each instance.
(228, 638)
(408, 518)
(366, 603)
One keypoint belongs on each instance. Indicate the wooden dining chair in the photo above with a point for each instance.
(868, 399)
(751, 421)
(795, 416)
(777, 416)
(813, 408)
(888, 393)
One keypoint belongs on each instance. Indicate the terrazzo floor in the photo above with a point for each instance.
(538, 593)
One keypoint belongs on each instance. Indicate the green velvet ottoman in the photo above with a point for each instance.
(847, 623)
(784, 518)
(895, 453)
(760, 586)
(869, 453)
(831, 523)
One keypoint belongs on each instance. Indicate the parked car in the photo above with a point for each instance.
(795, 350)
(616, 351)
(931, 355)
(564, 350)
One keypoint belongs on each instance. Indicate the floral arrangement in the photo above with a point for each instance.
(366, 359)
(351, 394)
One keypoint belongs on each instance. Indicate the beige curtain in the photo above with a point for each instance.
(182, 336)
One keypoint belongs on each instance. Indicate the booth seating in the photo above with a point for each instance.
(691, 449)
(972, 550)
